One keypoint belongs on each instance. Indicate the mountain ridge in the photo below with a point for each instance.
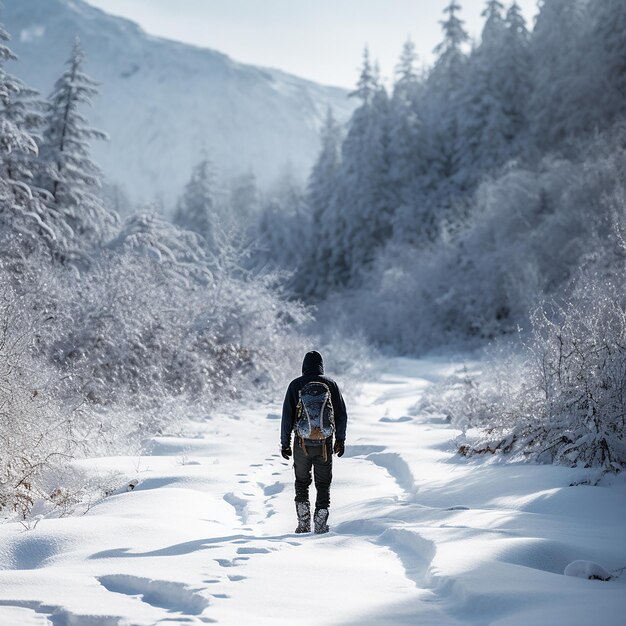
(162, 101)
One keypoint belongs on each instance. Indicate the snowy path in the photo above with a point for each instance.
(417, 537)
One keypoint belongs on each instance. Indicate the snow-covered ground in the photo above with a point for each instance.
(418, 536)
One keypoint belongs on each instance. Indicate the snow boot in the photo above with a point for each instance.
(303, 509)
(320, 518)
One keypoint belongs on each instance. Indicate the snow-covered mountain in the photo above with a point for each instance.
(163, 102)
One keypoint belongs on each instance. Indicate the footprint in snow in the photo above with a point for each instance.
(239, 504)
(224, 562)
(236, 578)
(272, 490)
(162, 594)
(396, 420)
(253, 551)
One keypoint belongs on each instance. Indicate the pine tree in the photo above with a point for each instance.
(440, 121)
(197, 208)
(321, 189)
(559, 104)
(494, 23)
(283, 226)
(244, 199)
(357, 219)
(14, 138)
(22, 110)
(405, 124)
(364, 202)
(323, 179)
(515, 66)
(24, 219)
(407, 82)
(70, 176)
(451, 59)
(366, 85)
(406, 154)
(482, 142)
(609, 59)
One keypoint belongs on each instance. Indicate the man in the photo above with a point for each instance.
(315, 409)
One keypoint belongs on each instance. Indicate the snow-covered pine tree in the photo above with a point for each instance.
(559, 104)
(609, 58)
(493, 136)
(440, 118)
(14, 138)
(362, 206)
(69, 174)
(197, 207)
(22, 106)
(515, 67)
(321, 190)
(25, 222)
(283, 222)
(366, 83)
(244, 199)
(406, 156)
(482, 142)
(451, 59)
(343, 208)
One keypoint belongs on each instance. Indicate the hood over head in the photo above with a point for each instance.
(313, 363)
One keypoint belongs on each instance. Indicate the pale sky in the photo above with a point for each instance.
(321, 40)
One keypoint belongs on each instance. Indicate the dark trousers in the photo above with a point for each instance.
(322, 471)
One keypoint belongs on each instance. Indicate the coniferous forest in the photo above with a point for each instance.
(478, 204)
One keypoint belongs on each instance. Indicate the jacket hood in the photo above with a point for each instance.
(313, 363)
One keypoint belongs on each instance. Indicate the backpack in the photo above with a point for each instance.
(315, 418)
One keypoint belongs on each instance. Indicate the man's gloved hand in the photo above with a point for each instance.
(340, 447)
(286, 452)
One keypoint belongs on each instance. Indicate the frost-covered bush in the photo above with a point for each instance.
(97, 360)
(580, 362)
(39, 433)
(529, 231)
(562, 399)
(154, 319)
(560, 396)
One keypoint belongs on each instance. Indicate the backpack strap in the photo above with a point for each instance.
(303, 446)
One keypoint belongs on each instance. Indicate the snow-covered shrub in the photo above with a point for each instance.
(562, 399)
(588, 570)
(529, 231)
(39, 433)
(156, 318)
(581, 359)
(97, 360)
(561, 396)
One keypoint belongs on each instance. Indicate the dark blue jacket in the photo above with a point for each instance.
(312, 369)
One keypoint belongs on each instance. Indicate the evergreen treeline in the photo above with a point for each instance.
(410, 163)
(485, 195)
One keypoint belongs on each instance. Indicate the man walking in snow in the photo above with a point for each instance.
(315, 411)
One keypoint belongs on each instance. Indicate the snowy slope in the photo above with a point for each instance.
(161, 102)
(416, 537)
